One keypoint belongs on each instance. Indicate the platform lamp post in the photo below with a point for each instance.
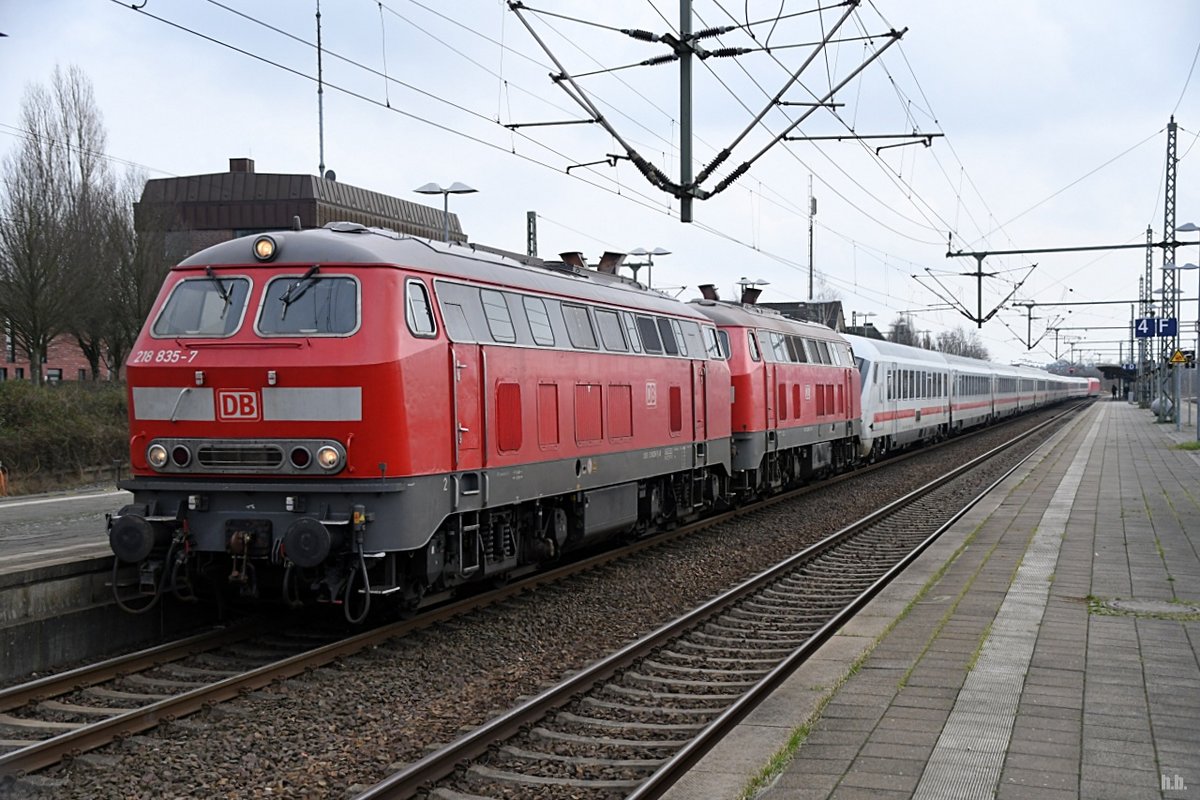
(445, 192)
(648, 263)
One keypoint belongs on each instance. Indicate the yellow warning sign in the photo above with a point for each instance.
(1178, 358)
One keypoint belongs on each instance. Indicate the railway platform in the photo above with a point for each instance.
(1046, 646)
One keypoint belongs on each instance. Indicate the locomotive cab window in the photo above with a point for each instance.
(309, 305)
(208, 306)
(417, 310)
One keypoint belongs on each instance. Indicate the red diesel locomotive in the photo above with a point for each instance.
(347, 413)
(795, 408)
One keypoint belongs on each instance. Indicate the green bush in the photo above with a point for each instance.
(62, 428)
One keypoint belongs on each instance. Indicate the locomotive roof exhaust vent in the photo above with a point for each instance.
(610, 261)
(709, 292)
(750, 295)
(574, 259)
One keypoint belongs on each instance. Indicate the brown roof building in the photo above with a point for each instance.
(202, 210)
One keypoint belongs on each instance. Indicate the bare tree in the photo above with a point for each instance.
(903, 332)
(959, 342)
(136, 247)
(54, 184)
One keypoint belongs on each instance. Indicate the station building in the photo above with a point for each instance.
(198, 211)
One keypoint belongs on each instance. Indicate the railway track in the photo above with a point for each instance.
(43, 721)
(633, 723)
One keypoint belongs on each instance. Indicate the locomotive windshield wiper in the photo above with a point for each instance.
(222, 292)
(308, 279)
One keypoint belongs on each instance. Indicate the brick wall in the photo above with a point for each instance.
(63, 362)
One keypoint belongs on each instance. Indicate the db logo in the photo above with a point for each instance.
(237, 404)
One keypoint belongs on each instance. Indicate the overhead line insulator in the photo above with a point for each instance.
(638, 33)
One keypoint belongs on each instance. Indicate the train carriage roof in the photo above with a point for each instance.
(875, 349)
(750, 316)
(348, 243)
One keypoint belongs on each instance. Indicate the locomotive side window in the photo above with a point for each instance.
(790, 342)
(209, 306)
(699, 343)
(679, 340)
(539, 321)
(801, 351)
(610, 331)
(721, 343)
(631, 331)
(309, 305)
(649, 332)
(752, 341)
(778, 347)
(669, 342)
(823, 352)
(498, 319)
(457, 327)
(417, 312)
(579, 326)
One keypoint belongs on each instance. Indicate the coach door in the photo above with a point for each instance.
(465, 416)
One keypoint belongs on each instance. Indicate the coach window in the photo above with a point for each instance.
(610, 331)
(649, 332)
(579, 326)
(665, 332)
(309, 305)
(209, 306)
(631, 332)
(752, 342)
(417, 311)
(539, 321)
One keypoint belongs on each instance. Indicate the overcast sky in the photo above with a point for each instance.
(1054, 118)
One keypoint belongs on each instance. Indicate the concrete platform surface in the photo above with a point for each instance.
(995, 667)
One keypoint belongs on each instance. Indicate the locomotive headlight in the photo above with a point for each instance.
(156, 454)
(329, 458)
(265, 248)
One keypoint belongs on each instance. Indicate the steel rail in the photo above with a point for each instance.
(92, 674)
(51, 751)
(421, 774)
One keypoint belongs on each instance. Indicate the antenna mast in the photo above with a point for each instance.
(320, 99)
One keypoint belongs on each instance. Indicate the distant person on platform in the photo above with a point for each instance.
(1114, 391)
